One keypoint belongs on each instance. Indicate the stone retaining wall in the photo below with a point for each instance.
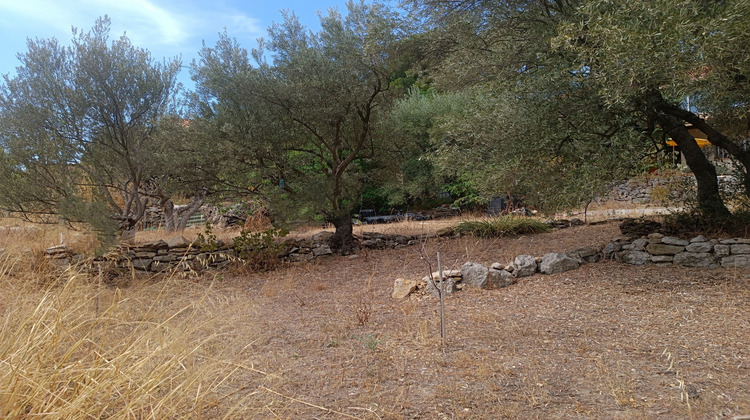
(179, 254)
(667, 250)
(655, 248)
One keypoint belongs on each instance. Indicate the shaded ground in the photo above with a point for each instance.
(605, 341)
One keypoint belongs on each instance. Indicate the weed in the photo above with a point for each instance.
(259, 250)
(207, 241)
(363, 311)
(371, 341)
(502, 226)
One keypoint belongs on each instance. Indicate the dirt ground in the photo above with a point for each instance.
(326, 340)
(605, 341)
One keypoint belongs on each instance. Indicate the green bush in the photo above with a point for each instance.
(502, 226)
(206, 241)
(259, 250)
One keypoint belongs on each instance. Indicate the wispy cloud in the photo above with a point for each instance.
(146, 22)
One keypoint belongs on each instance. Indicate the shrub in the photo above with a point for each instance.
(692, 222)
(259, 250)
(502, 226)
(207, 241)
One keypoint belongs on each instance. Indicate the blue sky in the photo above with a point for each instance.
(167, 28)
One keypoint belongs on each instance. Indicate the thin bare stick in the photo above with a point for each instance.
(442, 300)
(309, 404)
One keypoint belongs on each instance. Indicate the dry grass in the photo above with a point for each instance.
(326, 340)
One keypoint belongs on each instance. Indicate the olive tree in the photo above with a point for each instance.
(580, 88)
(78, 125)
(530, 123)
(676, 62)
(304, 125)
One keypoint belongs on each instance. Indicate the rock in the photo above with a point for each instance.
(740, 249)
(524, 266)
(658, 259)
(433, 288)
(589, 254)
(58, 251)
(664, 249)
(474, 275)
(557, 262)
(497, 279)
(735, 241)
(446, 273)
(300, 257)
(374, 244)
(736, 261)
(160, 244)
(446, 231)
(695, 259)
(699, 247)
(322, 251)
(576, 222)
(699, 238)
(721, 250)
(141, 264)
(639, 245)
(178, 242)
(611, 249)
(655, 237)
(671, 240)
(635, 257)
(322, 237)
(497, 266)
(403, 287)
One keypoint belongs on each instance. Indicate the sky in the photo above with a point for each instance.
(167, 28)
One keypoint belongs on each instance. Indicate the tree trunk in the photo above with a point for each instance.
(342, 240)
(709, 199)
(717, 139)
(176, 219)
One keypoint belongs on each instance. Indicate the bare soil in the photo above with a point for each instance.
(326, 340)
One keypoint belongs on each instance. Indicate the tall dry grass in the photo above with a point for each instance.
(72, 347)
(75, 350)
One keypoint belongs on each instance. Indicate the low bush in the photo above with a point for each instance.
(259, 250)
(502, 226)
(693, 222)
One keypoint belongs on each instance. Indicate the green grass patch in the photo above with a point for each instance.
(502, 226)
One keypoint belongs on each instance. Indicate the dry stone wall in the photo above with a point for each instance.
(179, 254)
(667, 250)
(654, 248)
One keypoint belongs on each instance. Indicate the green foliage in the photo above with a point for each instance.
(206, 240)
(415, 135)
(260, 250)
(78, 122)
(502, 226)
(304, 127)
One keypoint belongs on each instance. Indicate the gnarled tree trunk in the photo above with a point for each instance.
(710, 202)
(342, 241)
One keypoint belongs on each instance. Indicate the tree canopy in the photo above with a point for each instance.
(77, 127)
(305, 125)
(553, 100)
(576, 90)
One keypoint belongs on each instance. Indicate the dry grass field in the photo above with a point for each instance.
(326, 340)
